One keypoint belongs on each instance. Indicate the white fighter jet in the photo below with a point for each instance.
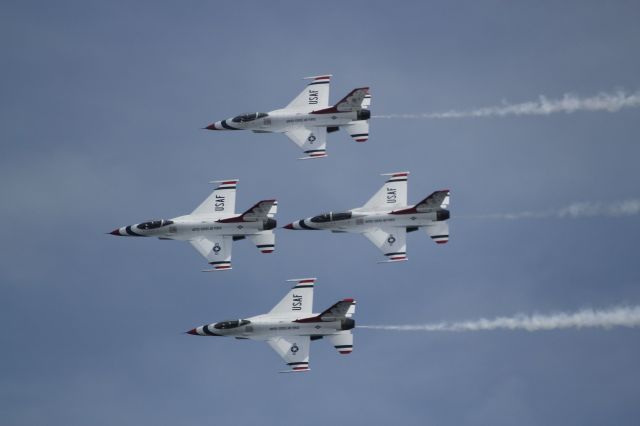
(213, 226)
(309, 117)
(290, 327)
(386, 218)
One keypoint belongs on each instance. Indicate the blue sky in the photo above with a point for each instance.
(101, 105)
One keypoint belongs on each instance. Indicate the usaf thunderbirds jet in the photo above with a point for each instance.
(213, 226)
(308, 118)
(290, 327)
(385, 219)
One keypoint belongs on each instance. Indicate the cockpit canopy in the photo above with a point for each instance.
(331, 216)
(250, 116)
(155, 224)
(225, 325)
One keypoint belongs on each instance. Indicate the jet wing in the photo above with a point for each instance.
(393, 193)
(298, 301)
(222, 200)
(313, 141)
(216, 249)
(294, 350)
(314, 96)
(392, 242)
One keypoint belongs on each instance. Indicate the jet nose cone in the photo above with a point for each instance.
(193, 332)
(212, 126)
(116, 232)
(289, 226)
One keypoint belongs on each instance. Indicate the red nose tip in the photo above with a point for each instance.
(115, 231)
(211, 127)
(192, 332)
(289, 226)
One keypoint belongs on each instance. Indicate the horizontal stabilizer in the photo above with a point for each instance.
(397, 258)
(358, 130)
(343, 342)
(265, 241)
(439, 232)
(299, 369)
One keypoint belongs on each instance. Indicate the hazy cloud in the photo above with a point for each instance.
(569, 103)
(630, 207)
(585, 318)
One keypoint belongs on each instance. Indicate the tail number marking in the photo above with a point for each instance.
(313, 97)
(296, 303)
(391, 195)
(219, 203)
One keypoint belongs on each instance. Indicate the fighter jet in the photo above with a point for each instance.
(213, 226)
(386, 218)
(290, 327)
(308, 118)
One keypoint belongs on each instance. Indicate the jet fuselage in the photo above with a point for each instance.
(190, 227)
(284, 120)
(265, 327)
(360, 221)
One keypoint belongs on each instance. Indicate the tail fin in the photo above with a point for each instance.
(262, 210)
(439, 199)
(366, 102)
(339, 310)
(354, 101)
(299, 300)
(359, 129)
(342, 310)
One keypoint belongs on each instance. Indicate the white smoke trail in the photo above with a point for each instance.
(569, 103)
(585, 318)
(629, 207)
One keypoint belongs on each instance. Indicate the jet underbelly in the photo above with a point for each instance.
(272, 329)
(418, 219)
